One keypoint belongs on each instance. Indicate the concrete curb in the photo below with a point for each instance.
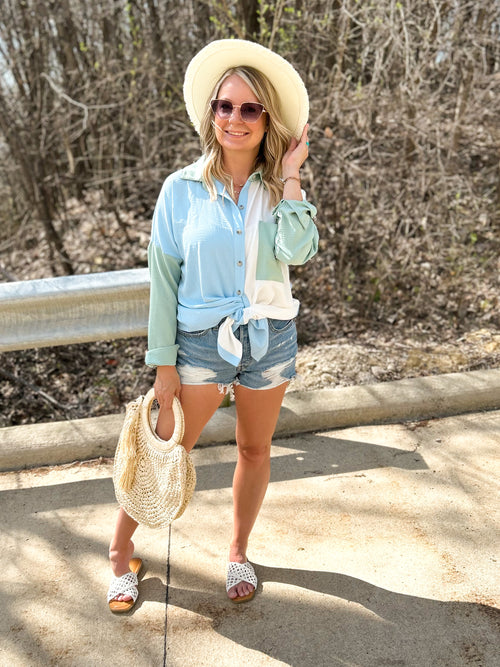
(322, 409)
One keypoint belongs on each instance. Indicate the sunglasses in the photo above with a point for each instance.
(250, 112)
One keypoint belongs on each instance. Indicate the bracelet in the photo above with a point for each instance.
(290, 178)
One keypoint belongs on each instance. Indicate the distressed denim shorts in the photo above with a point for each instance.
(198, 361)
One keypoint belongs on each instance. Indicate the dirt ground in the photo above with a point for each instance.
(91, 380)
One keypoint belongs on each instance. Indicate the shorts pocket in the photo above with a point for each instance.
(279, 326)
(193, 334)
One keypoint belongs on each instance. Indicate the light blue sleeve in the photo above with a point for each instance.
(296, 238)
(165, 270)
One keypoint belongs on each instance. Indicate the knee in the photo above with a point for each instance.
(255, 453)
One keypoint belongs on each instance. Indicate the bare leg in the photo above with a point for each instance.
(199, 403)
(257, 414)
(121, 548)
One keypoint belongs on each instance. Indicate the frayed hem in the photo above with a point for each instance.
(228, 388)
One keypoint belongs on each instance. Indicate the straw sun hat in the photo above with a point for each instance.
(207, 67)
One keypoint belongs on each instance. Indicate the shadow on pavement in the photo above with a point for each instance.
(335, 619)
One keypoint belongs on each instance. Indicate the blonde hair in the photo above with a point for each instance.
(273, 146)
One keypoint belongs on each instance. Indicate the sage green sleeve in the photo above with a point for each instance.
(296, 238)
(164, 271)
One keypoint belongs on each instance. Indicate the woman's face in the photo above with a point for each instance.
(233, 134)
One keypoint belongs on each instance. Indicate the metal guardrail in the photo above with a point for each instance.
(73, 309)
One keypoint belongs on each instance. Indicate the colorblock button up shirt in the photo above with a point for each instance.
(218, 261)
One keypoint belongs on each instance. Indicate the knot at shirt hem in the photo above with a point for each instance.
(231, 349)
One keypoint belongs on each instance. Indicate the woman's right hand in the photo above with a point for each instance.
(167, 385)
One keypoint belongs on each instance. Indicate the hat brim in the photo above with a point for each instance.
(209, 64)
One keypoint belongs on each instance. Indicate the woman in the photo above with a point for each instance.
(222, 315)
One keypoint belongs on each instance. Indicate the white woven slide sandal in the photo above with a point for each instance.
(238, 572)
(127, 584)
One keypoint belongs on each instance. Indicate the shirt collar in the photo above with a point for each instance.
(193, 172)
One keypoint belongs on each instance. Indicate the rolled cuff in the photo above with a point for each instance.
(162, 356)
(299, 207)
(296, 239)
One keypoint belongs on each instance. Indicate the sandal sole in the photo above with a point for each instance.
(244, 598)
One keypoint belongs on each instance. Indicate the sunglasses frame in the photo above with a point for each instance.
(214, 103)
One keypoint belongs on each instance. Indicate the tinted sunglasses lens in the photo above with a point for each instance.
(250, 111)
(222, 108)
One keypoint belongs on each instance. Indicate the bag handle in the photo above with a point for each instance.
(152, 436)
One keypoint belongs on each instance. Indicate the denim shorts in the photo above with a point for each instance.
(198, 361)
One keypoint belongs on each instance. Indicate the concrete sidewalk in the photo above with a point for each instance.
(376, 545)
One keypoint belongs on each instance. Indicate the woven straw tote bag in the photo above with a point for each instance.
(154, 479)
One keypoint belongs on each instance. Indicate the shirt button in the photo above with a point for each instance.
(241, 207)
(240, 263)
(238, 292)
(238, 231)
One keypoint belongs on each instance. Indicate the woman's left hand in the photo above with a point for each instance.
(296, 155)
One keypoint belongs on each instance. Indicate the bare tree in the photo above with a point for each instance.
(404, 127)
